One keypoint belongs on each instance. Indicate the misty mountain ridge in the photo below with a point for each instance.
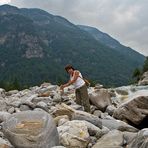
(35, 46)
(101, 36)
(107, 40)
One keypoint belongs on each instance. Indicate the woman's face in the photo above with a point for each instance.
(70, 71)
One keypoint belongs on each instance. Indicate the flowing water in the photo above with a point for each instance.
(130, 92)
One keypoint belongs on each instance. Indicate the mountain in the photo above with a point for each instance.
(35, 46)
(107, 40)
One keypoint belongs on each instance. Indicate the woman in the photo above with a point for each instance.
(80, 87)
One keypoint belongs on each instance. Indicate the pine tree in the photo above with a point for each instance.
(16, 84)
(145, 66)
(137, 74)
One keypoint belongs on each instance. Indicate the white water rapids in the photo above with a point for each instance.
(132, 92)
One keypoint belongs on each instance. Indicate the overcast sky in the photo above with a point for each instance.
(124, 20)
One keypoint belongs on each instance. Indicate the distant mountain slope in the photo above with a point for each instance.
(107, 40)
(35, 46)
(101, 36)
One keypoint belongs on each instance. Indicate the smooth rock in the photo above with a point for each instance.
(112, 139)
(31, 129)
(24, 108)
(4, 116)
(144, 79)
(129, 136)
(141, 140)
(81, 115)
(117, 124)
(74, 134)
(134, 110)
(5, 144)
(11, 110)
(100, 98)
(2, 92)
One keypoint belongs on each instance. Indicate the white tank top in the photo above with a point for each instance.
(79, 82)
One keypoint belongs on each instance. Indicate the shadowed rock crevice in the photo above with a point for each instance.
(143, 124)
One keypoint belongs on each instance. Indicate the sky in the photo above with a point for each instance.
(124, 20)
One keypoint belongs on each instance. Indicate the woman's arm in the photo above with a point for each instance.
(75, 76)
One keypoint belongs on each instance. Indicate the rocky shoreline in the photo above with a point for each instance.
(42, 117)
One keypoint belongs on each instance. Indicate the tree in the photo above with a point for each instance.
(145, 66)
(16, 84)
(137, 74)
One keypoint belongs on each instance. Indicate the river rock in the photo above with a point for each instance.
(24, 108)
(5, 144)
(129, 136)
(110, 109)
(92, 129)
(3, 105)
(74, 134)
(15, 103)
(100, 98)
(103, 131)
(31, 129)
(144, 79)
(11, 92)
(42, 105)
(135, 110)
(141, 140)
(112, 139)
(4, 116)
(39, 99)
(59, 147)
(61, 120)
(97, 113)
(63, 109)
(117, 124)
(11, 110)
(81, 115)
(2, 92)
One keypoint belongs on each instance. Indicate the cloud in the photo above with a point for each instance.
(125, 20)
(4, 2)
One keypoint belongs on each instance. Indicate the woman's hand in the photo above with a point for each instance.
(66, 85)
(62, 87)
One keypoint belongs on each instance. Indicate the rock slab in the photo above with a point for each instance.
(31, 129)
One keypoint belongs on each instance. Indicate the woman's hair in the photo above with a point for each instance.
(67, 67)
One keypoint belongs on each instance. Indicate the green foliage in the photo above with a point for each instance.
(137, 74)
(7, 85)
(145, 66)
(92, 83)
